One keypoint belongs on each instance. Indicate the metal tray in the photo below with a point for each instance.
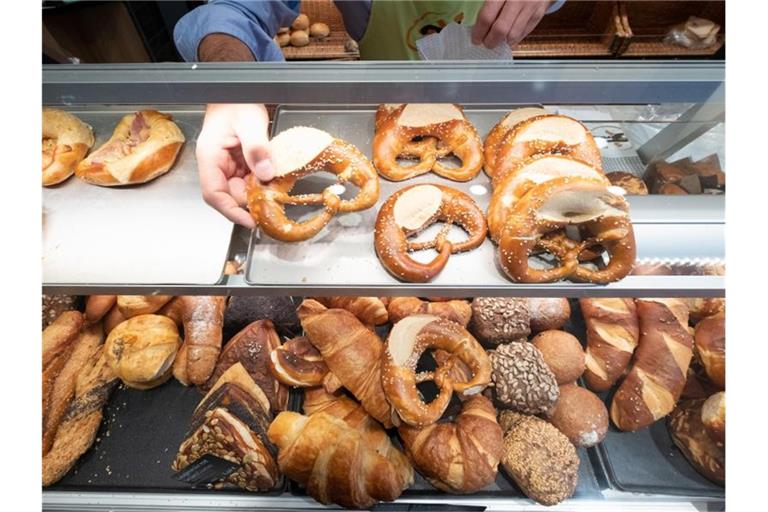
(341, 258)
(157, 232)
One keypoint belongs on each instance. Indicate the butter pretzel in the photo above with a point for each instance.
(497, 133)
(544, 134)
(427, 132)
(296, 153)
(411, 210)
(408, 339)
(555, 204)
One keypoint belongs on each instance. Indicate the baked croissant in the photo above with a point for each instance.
(459, 457)
(369, 310)
(458, 311)
(333, 461)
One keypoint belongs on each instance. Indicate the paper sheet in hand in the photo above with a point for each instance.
(454, 42)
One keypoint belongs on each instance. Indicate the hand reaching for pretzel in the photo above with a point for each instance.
(232, 144)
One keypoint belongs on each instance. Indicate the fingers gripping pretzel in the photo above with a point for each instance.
(553, 205)
(409, 338)
(297, 153)
(427, 132)
(413, 209)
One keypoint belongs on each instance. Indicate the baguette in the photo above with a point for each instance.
(660, 365)
(612, 335)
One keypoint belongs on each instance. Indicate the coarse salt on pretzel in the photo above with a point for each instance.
(407, 340)
(562, 202)
(411, 210)
(440, 129)
(497, 133)
(296, 153)
(66, 140)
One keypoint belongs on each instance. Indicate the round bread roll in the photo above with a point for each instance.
(301, 22)
(141, 350)
(299, 38)
(580, 415)
(283, 39)
(521, 379)
(633, 185)
(713, 416)
(319, 30)
(548, 313)
(563, 354)
(498, 320)
(284, 30)
(540, 459)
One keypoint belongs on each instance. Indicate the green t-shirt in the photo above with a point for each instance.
(394, 26)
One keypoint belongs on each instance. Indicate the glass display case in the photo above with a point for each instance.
(160, 238)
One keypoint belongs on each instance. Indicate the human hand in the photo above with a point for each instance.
(507, 20)
(232, 144)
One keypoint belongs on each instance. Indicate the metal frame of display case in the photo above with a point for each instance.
(339, 83)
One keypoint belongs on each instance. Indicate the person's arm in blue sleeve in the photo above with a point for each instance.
(228, 30)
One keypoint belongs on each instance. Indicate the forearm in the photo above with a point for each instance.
(223, 48)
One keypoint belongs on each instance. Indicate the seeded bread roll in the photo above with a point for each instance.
(563, 354)
(498, 320)
(580, 415)
(548, 313)
(540, 459)
(521, 379)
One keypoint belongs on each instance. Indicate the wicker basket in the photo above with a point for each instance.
(333, 47)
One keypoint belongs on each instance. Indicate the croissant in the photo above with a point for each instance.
(352, 353)
(458, 311)
(369, 310)
(459, 457)
(333, 461)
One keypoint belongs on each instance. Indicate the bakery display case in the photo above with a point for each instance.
(661, 124)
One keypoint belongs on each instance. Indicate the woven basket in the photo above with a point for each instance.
(332, 47)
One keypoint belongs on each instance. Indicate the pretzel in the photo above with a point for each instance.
(561, 202)
(411, 210)
(408, 339)
(516, 182)
(66, 140)
(296, 153)
(497, 133)
(298, 363)
(545, 134)
(427, 132)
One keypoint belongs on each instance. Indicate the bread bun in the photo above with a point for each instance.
(521, 379)
(141, 350)
(700, 308)
(299, 38)
(319, 30)
(301, 22)
(548, 313)
(540, 459)
(563, 354)
(498, 320)
(284, 30)
(713, 416)
(709, 343)
(633, 185)
(283, 39)
(580, 415)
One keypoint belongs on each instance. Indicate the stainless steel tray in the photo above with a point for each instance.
(341, 258)
(158, 232)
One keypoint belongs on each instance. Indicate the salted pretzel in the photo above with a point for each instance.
(296, 153)
(411, 210)
(545, 134)
(407, 340)
(497, 133)
(428, 132)
(513, 185)
(298, 363)
(568, 201)
(66, 140)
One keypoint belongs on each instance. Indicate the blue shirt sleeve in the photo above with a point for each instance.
(254, 23)
(557, 4)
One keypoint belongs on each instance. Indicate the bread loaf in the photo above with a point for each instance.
(660, 365)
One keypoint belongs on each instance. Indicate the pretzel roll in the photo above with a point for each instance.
(143, 146)
(497, 133)
(66, 140)
(512, 186)
(298, 363)
(408, 339)
(550, 133)
(562, 202)
(299, 152)
(713, 416)
(411, 210)
(458, 311)
(709, 343)
(443, 129)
